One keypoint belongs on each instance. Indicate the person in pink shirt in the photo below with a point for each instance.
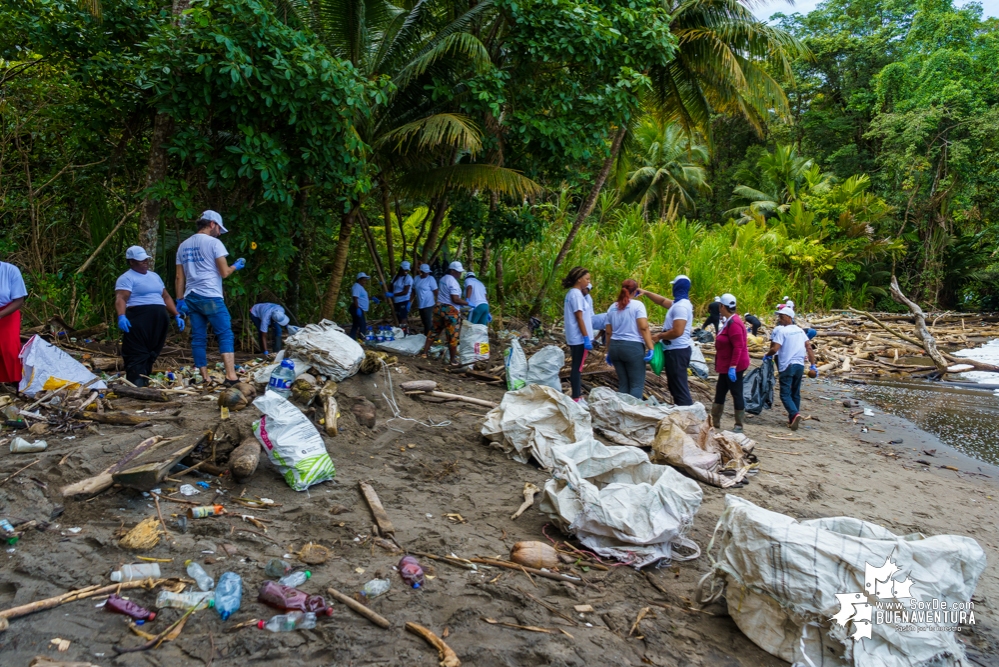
(731, 362)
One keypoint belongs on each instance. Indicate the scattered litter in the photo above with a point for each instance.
(46, 367)
(62, 645)
(313, 554)
(74, 530)
(868, 412)
(145, 535)
(21, 446)
(188, 490)
(689, 443)
(376, 587)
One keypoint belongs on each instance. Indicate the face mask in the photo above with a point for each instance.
(590, 287)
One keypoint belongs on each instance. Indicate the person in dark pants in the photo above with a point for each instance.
(424, 297)
(578, 314)
(676, 337)
(359, 306)
(629, 342)
(714, 315)
(790, 341)
(402, 294)
(267, 319)
(142, 303)
(731, 362)
(754, 322)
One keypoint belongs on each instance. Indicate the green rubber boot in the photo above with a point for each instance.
(716, 414)
(739, 416)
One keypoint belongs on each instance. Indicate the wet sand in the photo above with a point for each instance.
(828, 468)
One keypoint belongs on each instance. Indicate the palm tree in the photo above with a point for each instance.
(778, 180)
(669, 169)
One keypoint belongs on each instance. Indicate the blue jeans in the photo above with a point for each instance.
(790, 389)
(273, 331)
(204, 310)
(480, 314)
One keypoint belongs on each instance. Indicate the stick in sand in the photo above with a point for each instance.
(448, 657)
(88, 592)
(356, 606)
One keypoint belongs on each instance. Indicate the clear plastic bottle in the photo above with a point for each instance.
(196, 572)
(411, 571)
(200, 599)
(370, 338)
(282, 377)
(294, 620)
(136, 572)
(228, 594)
(376, 587)
(277, 567)
(295, 579)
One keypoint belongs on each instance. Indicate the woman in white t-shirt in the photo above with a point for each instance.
(629, 342)
(142, 304)
(578, 314)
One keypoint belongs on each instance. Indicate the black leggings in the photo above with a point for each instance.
(677, 362)
(143, 343)
(427, 318)
(578, 353)
(725, 386)
(358, 325)
(713, 318)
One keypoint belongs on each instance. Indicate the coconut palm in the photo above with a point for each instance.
(776, 181)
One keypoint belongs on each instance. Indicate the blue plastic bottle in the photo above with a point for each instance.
(282, 377)
(228, 594)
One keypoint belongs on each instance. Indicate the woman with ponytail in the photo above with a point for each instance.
(629, 342)
(578, 313)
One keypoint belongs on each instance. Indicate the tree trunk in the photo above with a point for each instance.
(928, 342)
(369, 240)
(484, 261)
(470, 253)
(441, 245)
(303, 236)
(339, 262)
(498, 273)
(387, 213)
(156, 170)
(402, 229)
(435, 228)
(584, 212)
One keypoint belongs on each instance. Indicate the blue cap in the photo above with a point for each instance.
(288, 363)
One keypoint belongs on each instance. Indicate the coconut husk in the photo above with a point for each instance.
(303, 391)
(144, 536)
(373, 361)
(247, 389)
(232, 398)
(313, 554)
(534, 554)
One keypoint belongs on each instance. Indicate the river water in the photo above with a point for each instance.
(964, 417)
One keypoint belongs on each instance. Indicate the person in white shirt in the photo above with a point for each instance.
(629, 342)
(447, 316)
(599, 319)
(201, 267)
(424, 297)
(13, 292)
(791, 345)
(359, 306)
(402, 294)
(578, 319)
(475, 294)
(268, 318)
(142, 303)
(676, 338)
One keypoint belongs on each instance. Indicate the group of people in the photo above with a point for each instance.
(630, 343)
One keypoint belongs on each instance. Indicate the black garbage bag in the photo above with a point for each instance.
(702, 336)
(758, 388)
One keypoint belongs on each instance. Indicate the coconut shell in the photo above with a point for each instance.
(313, 554)
(534, 554)
(244, 459)
(232, 398)
(247, 389)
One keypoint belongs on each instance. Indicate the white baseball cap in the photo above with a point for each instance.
(718, 298)
(455, 266)
(136, 252)
(362, 274)
(405, 265)
(425, 268)
(679, 277)
(470, 274)
(214, 217)
(786, 310)
(282, 319)
(727, 300)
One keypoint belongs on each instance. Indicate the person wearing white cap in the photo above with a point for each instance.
(268, 318)
(714, 315)
(731, 362)
(13, 292)
(676, 339)
(424, 297)
(791, 345)
(142, 303)
(359, 306)
(402, 294)
(475, 294)
(201, 267)
(447, 313)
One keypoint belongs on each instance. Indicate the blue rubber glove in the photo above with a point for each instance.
(240, 263)
(375, 299)
(767, 357)
(389, 295)
(607, 360)
(648, 356)
(182, 306)
(124, 324)
(180, 322)
(814, 369)
(731, 374)
(587, 345)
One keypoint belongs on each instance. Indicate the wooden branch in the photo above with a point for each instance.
(928, 342)
(514, 566)
(448, 657)
(141, 393)
(530, 491)
(88, 592)
(114, 231)
(381, 517)
(356, 606)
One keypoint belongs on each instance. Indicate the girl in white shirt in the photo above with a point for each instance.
(578, 313)
(629, 342)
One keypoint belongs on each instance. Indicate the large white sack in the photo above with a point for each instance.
(411, 345)
(532, 420)
(626, 420)
(292, 442)
(799, 589)
(621, 505)
(473, 343)
(544, 366)
(516, 366)
(47, 367)
(327, 349)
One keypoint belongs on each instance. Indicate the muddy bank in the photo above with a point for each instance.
(829, 467)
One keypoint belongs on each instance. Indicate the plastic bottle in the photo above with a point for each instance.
(196, 572)
(295, 620)
(277, 567)
(202, 511)
(228, 594)
(129, 608)
(370, 338)
(410, 571)
(286, 598)
(295, 579)
(376, 587)
(391, 334)
(166, 599)
(282, 377)
(136, 572)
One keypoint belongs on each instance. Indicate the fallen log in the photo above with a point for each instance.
(140, 393)
(356, 606)
(104, 480)
(331, 408)
(123, 418)
(925, 337)
(515, 566)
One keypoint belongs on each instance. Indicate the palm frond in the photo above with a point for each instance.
(471, 177)
(436, 131)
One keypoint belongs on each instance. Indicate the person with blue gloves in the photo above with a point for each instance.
(731, 362)
(201, 268)
(792, 344)
(629, 341)
(578, 313)
(359, 304)
(144, 309)
(676, 338)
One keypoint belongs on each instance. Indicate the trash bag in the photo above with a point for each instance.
(822, 591)
(292, 442)
(46, 367)
(473, 343)
(687, 441)
(658, 361)
(758, 388)
(702, 335)
(626, 420)
(544, 366)
(327, 349)
(262, 375)
(411, 345)
(516, 366)
(697, 362)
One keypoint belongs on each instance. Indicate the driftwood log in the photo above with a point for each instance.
(104, 480)
(331, 408)
(429, 388)
(448, 657)
(140, 393)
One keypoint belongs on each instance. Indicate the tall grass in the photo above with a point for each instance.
(742, 260)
